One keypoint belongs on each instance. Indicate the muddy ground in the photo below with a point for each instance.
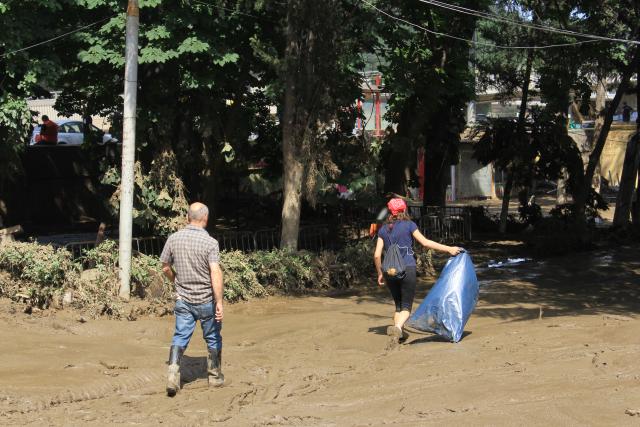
(551, 343)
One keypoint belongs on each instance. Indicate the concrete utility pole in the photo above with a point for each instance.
(128, 147)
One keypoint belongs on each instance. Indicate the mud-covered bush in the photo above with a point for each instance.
(240, 280)
(145, 269)
(354, 263)
(35, 272)
(286, 271)
(98, 296)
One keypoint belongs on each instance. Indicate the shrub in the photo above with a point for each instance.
(98, 296)
(353, 264)
(36, 272)
(144, 268)
(286, 271)
(530, 213)
(241, 282)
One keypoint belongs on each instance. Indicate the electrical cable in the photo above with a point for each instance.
(228, 9)
(477, 43)
(57, 37)
(539, 27)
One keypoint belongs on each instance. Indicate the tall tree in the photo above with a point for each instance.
(511, 73)
(614, 19)
(319, 74)
(202, 101)
(429, 77)
(631, 161)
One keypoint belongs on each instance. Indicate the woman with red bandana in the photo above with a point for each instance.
(401, 230)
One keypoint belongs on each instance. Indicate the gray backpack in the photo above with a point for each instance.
(393, 265)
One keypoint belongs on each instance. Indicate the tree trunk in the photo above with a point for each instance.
(395, 181)
(561, 194)
(601, 106)
(506, 198)
(600, 138)
(435, 179)
(293, 167)
(635, 205)
(520, 133)
(627, 182)
(293, 177)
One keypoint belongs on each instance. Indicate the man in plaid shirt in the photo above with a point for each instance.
(190, 259)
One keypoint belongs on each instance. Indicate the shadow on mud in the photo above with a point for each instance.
(193, 369)
(584, 283)
(433, 338)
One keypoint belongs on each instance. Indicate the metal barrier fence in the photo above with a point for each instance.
(310, 237)
(143, 245)
(445, 224)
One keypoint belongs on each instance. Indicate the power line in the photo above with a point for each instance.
(539, 27)
(473, 42)
(228, 9)
(57, 37)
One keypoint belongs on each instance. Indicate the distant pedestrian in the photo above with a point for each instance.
(626, 112)
(191, 260)
(400, 230)
(48, 132)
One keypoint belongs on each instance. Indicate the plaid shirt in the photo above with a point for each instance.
(190, 251)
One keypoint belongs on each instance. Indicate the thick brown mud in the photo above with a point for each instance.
(551, 343)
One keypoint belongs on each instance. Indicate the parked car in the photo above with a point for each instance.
(71, 132)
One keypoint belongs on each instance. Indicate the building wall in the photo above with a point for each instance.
(473, 180)
(612, 158)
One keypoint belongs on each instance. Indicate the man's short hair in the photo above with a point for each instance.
(198, 214)
(45, 118)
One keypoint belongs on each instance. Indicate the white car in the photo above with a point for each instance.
(71, 132)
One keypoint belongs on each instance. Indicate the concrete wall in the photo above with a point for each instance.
(473, 180)
(612, 158)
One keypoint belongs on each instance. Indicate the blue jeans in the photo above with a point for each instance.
(186, 316)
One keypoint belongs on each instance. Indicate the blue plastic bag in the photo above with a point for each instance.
(447, 307)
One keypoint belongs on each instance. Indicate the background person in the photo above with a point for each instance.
(48, 132)
(190, 259)
(626, 112)
(401, 230)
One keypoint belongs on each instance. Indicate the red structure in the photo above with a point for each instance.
(376, 100)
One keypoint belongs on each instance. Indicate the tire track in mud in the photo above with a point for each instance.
(139, 382)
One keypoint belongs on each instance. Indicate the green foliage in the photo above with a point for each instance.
(43, 264)
(285, 271)
(160, 204)
(428, 77)
(567, 212)
(145, 269)
(530, 213)
(240, 279)
(36, 272)
(353, 264)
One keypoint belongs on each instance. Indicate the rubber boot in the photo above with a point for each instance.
(173, 376)
(214, 368)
